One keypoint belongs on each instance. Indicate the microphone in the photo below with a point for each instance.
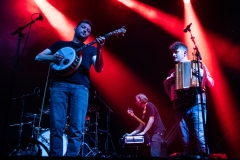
(40, 17)
(20, 29)
(187, 28)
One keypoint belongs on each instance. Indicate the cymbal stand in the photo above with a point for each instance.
(82, 145)
(33, 126)
(96, 132)
(93, 152)
(21, 124)
(108, 120)
(36, 91)
(32, 146)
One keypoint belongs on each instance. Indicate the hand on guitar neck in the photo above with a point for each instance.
(130, 111)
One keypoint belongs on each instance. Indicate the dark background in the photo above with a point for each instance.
(143, 50)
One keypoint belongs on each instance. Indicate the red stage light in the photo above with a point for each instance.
(186, 1)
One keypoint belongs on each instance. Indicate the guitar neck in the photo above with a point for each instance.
(91, 43)
(116, 32)
(85, 46)
(139, 120)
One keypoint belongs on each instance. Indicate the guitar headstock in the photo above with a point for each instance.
(117, 32)
(130, 111)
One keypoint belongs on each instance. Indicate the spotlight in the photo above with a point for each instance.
(186, 1)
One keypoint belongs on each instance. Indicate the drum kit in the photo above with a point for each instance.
(42, 135)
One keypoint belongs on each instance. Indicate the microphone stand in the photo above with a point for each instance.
(20, 36)
(198, 57)
(20, 29)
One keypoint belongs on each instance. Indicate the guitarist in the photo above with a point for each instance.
(153, 131)
(71, 92)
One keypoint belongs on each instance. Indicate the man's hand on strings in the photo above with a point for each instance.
(100, 41)
(57, 58)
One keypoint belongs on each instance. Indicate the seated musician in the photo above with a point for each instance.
(153, 130)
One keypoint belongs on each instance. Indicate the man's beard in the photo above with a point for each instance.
(80, 38)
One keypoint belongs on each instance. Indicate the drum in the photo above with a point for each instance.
(87, 121)
(44, 138)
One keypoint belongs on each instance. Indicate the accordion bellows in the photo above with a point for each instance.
(184, 75)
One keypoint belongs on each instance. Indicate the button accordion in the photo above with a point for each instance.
(185, 79)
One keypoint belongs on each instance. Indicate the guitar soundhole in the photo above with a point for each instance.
(66, 61)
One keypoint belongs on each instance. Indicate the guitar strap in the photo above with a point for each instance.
(144, 112)
(147, 137)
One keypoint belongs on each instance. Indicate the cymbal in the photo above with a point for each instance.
(30, 116)
(93, 108)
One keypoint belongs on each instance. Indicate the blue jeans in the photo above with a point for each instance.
(156, 146)
(64, 97)
(191, 122)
